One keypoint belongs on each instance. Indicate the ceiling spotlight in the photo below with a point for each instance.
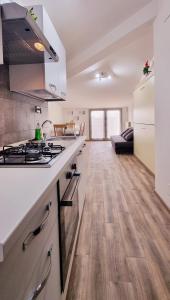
(39, 47)
(97, 75)
(103, 75)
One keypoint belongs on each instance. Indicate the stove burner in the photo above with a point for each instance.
(34, 153)
(33, 157)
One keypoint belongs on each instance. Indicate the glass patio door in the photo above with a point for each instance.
(97, 125)
(104, 123)
(113, 122)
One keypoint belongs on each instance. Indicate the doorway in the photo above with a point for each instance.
(104, 123)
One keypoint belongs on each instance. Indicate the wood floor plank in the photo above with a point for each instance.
(120, 291)
(143, 283)
(123, 251)
(157, 252)
(115, 256)
(131, 241)
(83, 245)
(96, 271)
(79, 278)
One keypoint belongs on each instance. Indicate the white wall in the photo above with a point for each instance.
(162, 83)
(77, 115)
(55, 112)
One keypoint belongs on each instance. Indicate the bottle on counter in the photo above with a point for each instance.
(38, 132)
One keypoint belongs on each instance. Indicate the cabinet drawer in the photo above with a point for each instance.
(45, 280)
(16, 270)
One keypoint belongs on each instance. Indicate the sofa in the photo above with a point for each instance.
(123, 144)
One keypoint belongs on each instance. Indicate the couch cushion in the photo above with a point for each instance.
(129, 136)
(117, 139)
(127, 131)
(124, 131)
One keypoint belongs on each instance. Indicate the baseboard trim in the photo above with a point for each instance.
(147, 169)
(162, 201)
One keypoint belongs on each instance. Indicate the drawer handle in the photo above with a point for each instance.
(43, 283)
(69, 203)
(37, 230)
(80, 152)
(84, 145)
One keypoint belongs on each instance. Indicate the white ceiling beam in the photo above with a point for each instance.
(105, 45)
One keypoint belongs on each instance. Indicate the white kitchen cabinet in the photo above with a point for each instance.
(55, 72)
(82, 168)
(144, 107)
(144, 144)
(17, 269)
(45, 280)
(144, 123)
(46, 81)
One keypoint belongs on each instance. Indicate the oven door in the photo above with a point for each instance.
(68, 221)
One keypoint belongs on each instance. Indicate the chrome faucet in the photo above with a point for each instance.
(44, 134)
(46, 121)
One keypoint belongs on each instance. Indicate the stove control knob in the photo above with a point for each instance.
(74, 167)
(69, 175)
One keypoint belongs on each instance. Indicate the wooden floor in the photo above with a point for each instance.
(123, 251)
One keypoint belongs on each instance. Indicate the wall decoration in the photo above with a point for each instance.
(146, 69)
(32, 14)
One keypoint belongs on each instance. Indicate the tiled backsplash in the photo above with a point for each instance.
(17, 112)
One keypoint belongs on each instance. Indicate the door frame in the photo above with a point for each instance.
(105, 122)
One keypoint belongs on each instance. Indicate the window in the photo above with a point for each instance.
(105, 123)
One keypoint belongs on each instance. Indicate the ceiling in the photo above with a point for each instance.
(84, 26)
(80, 23)
(125, 65)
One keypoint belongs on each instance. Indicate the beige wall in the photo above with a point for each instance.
(55, 112)
(77, 115)
(82, 115)
(162, 84)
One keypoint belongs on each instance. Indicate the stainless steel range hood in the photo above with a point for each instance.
(20, 33)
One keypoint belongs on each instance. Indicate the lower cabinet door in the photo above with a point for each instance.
(45, 283)
(144, 144)
(17, 268)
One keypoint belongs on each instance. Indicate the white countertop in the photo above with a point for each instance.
(21, 188)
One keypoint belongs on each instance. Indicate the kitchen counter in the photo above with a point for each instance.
(21, 188)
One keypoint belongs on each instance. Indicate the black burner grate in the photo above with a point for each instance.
(34, 153)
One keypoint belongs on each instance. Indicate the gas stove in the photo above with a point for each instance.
(31, 154)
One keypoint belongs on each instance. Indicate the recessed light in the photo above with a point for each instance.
(103, 75)
(97, 75)
(40, 47)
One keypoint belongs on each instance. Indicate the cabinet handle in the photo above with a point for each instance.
(42, 284)
(84, 145)
(52, 86)
(80, 152)
(64, 203)
(38, 229)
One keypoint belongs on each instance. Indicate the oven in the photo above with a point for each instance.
(68, 210)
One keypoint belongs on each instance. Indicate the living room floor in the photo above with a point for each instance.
(123, 250)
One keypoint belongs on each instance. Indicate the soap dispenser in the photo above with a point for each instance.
(38, 133)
